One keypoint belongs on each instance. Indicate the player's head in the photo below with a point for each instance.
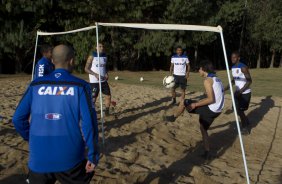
(179, 50)
(235, 57)
(63, 57)
(46, 51)
(206, 67)
(100, 48)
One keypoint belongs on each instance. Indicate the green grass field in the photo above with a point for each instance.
(265, 81)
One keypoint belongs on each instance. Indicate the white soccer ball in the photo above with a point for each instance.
(141, 79)
(169, 82)
(116, 77)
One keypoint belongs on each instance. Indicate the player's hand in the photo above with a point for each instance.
(97, 76)
(237, 93)
(187, 77)
(106, 77)
(89, 167)
(191, 107)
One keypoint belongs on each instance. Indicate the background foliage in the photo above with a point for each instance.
(253, 27)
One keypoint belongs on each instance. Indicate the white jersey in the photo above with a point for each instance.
(218, 91)
(179, 63)
(95, 67)
(239, 77)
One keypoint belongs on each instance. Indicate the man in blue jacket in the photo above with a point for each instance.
(44, 66)
(62, 122)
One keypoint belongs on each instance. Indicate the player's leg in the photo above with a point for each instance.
(183, 84)
(95, 91)
(75, 175)
(107, 91)
(206, 119)
(243, 105)
(180, 109)
(205, 137)
(41, 178)
(182, 97)
(173, 92)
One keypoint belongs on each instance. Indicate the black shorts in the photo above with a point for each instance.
(180, 81)
(206, 115)
(243, 101)
(105, 89)
(75, 175)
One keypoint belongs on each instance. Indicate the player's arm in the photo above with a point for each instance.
(187, 70)
(210, 95)
(248, 77)
(89, 126)
(21, 115)
(88, 65)
(171, 69)
(106, 75)
(228, 87)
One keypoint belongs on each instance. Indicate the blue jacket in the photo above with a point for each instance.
(43, 67)
(63, 121)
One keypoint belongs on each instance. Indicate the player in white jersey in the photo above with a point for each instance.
(92, 68)
(180, 69)
(208, 108)
(242, 80)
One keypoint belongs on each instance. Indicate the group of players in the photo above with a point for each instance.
(210, 107)
(57, 118)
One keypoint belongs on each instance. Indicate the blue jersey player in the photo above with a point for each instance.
(44, 66)
(58, 120)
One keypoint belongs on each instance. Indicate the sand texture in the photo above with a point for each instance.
(141, 148)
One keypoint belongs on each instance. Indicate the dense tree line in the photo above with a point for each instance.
(253, 27)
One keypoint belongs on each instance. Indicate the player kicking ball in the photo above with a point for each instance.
(208, 108)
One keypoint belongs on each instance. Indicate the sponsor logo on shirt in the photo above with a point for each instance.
(101, 65)
(41, 70)
(57, 75)
(53, 116)
(56, 90)
(180, 63)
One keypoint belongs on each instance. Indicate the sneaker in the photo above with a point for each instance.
(170, 118)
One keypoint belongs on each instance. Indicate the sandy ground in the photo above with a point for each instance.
(141, 148)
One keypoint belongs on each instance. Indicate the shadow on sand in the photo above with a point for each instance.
(220, 142)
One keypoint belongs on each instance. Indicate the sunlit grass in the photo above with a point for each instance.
(265, 81)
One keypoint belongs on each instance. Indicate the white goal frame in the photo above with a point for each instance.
(175, 27)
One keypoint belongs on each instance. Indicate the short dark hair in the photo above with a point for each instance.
(45, 48)
(236, 52)
(207, 66)
(178, 47)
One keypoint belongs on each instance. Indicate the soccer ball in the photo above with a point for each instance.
(141, 79)
(169, 82)
(116, 78)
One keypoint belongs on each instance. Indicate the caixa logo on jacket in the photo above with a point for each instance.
(56, 90)
(53, 116)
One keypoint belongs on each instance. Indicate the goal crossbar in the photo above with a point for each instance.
(175, 27)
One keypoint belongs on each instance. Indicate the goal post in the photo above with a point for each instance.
(175, 27)
(217, 29)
